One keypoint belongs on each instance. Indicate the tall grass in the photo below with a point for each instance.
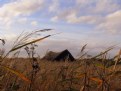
(96, 73)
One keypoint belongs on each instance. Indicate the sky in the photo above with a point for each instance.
(96, 23)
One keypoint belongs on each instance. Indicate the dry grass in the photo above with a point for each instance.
(57, 76)
(33, 74)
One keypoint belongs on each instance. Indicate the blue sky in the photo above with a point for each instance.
(93, 22)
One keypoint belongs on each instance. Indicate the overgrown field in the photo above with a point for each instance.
(60, 76)
(87, 73)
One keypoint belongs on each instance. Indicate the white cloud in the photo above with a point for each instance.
(105, 6)
(103, 14)
(22, 20)
(18, 8)
(54, 6)
(98, 6)
(54, 19)
(34, 23)
(84, 2)
(72, 18)
(112, 23)
(9, 36)
(63, 15)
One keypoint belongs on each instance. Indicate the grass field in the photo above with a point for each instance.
(96, 73)
(59, 76)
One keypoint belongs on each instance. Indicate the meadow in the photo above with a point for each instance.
(97, 73)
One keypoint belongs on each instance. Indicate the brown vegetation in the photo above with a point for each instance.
(33, 74)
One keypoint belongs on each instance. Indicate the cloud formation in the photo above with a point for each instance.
(103, 14)
(9, 11)
(79, 19)
(112, 22)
